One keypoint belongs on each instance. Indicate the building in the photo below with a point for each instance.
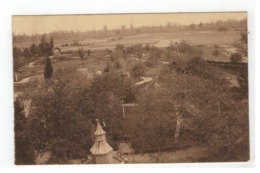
(101, 151)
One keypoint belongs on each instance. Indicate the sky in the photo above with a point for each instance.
(43, 24)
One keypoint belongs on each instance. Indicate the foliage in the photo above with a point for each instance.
(117, 65)
(243, 83)
(26, 53)
(155, 54)
(216, 51)
(46, 48)
(155, 126)
(195, 66)
(150, 64)
(137, 48)
(192, 26)
(116, 55)
(23, 153)
(61, 120)
(105, 93)
(51, 43)
(187, 49)
(81, 53)
(120, 47)
(48, 71)
(138, 70)
(16, 52)
(34, 49)
(236, 57)
(211, 117)
(56, 122)
(75, 43)
(243, 37)
(241, 48)
(222, 29)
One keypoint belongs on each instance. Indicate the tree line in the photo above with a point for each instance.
(23, 56)
(131, 30)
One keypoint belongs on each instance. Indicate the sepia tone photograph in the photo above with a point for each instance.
(131, 88)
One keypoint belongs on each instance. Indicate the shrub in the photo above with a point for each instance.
(81, 53)
(150, 64)
(138, 70)
(186, 48)
(216, 50)
(236, 57)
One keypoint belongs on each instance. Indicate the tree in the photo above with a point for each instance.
(241, 48)
(138, 70)
(216, 51)
(51, 44)
(26, 53)
(48, 71)
(152, 130)
(57, 123)
(104, 94)
(201, 25)
(81, 53)
(18, 60)
(16, 52)
(236, 57)
(187, 49)
(45, 48)
(199, 94)
(243, 37)
(34, 50)
(120, 47)
(192, 26)
(23, 152)
(222, 29)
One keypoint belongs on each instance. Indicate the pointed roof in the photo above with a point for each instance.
(99, 130)
(100, 146)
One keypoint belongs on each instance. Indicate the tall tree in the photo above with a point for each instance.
(45, 48)
(48, 71)
(51, 44)
(34, 49)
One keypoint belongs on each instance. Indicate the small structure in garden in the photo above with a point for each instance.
(101, 151)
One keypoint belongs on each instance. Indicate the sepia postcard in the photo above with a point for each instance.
(131, 88)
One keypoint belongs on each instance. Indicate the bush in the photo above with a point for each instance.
(81, 53)
(150, 64)
(138, 70)
(216, 50)
(186, 48)
(236, 57)
(243, 37)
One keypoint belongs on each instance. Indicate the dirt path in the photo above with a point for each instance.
(144, 80)
(25, 80)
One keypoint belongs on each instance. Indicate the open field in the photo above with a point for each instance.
(195, 37)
